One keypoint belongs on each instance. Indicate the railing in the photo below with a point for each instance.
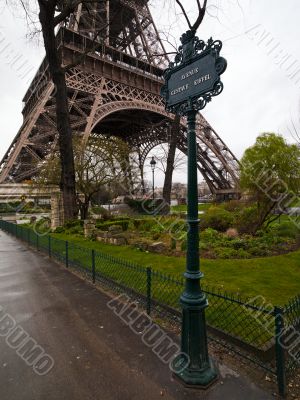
(82, 43)
(291, 315)
(262, 336)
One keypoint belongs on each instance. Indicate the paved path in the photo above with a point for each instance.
(96, 355)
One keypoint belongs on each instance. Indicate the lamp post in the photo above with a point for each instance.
(153, 164)
(190, 83)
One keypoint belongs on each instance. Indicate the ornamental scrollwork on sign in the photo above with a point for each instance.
(193, 49)
(199, 104)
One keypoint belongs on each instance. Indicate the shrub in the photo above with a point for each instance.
(246, 220)
(77, 229)
(146, 206)
(150, 225)
(241, 253)
(217, 218)
(209, 235)
(105, 225)
(225, 252)
(137, 223)
(173, 244)
(183, 245)
(156, 236)
(287, 230)
(232, 233)
(233, 205)
(259, 251)
(239, 244)
(72, 223)
(42, 225)
(98, 210)
(203, 246)
(59, 229)
(176, 227)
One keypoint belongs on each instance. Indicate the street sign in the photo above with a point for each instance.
(194, 77)
(190, 83)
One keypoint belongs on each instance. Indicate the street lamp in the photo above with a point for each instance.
(153, 164)
(187, 98)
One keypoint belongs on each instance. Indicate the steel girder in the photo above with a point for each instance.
(116, 83)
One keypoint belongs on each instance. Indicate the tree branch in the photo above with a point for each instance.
(201, 14)
(184, 13)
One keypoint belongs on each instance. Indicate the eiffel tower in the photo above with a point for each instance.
(116, 91)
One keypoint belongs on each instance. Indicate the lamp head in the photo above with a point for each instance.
(153, 163)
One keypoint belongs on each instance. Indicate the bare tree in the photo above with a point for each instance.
(51, 15)
(162, 152)
(99, 166)
(201, 12)
(175, 129)
(171, 163)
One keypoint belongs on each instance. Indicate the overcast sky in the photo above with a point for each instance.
(261, 83)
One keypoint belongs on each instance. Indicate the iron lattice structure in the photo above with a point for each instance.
(114, 91)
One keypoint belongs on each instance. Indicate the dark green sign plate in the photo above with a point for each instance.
(193, 80)
(194, 77)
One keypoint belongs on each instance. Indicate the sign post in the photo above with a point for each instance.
(190, 83)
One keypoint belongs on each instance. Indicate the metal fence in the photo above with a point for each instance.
(291, 340)
(266, 337)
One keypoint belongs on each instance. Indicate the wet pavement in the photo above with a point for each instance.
(96, 356)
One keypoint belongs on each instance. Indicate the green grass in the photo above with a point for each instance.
(223, 313)
(183, 208)
(276, 278)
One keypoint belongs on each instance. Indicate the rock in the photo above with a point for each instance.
(110, 238)
(119, 241)
(32, 219)
(141, 245)
(157, 247)
(89, 228)
(115, 228)
(101, 234)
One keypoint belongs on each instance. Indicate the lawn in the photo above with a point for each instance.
(276, 278)
(123, 266)
(183, 208)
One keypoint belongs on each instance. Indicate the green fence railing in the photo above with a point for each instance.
(262, 336)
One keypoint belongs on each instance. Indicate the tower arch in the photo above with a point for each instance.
(123, 74)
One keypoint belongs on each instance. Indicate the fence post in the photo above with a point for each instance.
(280, 356)
(93, 266)
(149, 289)
(67, 254)
(49, 246)
(37, 241)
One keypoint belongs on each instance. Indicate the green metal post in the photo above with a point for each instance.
(37, 241)
(199, 370)
(149, 289)
(67, 254)
(280, 357)
(93, 266)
